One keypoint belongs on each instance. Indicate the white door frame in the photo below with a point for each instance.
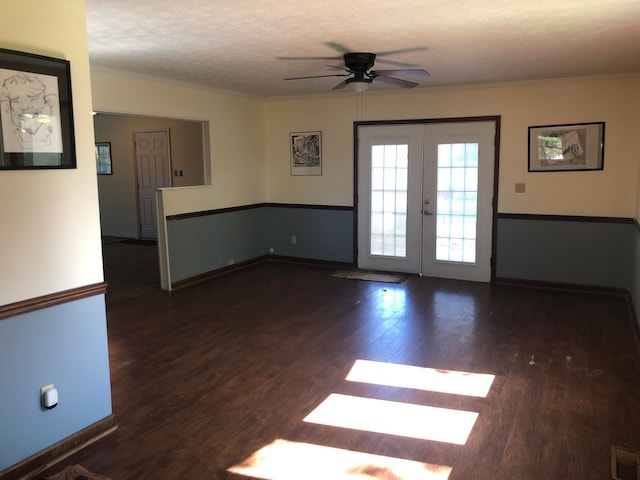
(496, 121)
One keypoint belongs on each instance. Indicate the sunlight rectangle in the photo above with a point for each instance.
(285, 460)
(394, 418)
(419, 378)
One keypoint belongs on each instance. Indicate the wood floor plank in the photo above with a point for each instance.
(204, 377)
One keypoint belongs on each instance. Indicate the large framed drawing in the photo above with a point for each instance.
(306, 153)
(36, 112)
(570, 147)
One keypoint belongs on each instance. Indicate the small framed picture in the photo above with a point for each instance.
(306, 153)
(36, 112)
(103, 158)
(570, 147)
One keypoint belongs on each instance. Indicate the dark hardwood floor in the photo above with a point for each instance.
(204, 377)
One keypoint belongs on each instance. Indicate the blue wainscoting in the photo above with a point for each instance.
(594, 252)
(203, 242)
(207, 241)
(322, 233)
(66, 345)
(582, 251)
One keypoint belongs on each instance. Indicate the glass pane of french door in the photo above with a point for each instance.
(389, 177)
(457, 202)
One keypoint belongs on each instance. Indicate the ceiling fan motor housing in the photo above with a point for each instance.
(359, 62)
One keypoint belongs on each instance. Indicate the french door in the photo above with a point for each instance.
(425, 198)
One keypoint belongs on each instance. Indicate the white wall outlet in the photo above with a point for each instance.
(294, 239)
(271, 250)
(521, 187)
(231, 261)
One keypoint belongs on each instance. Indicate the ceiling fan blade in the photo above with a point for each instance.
(395, 63)
(402, 50)
(396, 81)
(309, 58)
(411, 71)
(340, 85)
(319, 76)
(338, 47)
(339, 68)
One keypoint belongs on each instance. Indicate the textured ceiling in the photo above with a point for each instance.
(243, 45)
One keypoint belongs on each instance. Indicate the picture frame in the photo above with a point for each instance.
(103, 158)
(567, 147)
(306, 153)
(36, 112)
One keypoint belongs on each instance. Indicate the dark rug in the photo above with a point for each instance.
(139, 241)
(130, 241)
(369, 276)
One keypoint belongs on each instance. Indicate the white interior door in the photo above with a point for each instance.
(425, 199)
(154, 171)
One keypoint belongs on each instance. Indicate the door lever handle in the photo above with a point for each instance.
(427, 212)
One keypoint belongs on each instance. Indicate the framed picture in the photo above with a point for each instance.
(306, 153)
(36, 112)
(571, 147)
(103, 158)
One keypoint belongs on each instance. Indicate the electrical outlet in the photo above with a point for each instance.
(43, 397)
(231, 261)
(294, 239)
(521, 187)
(271, 250)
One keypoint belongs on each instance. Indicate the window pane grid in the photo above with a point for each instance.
(388, 218)
(457, 202)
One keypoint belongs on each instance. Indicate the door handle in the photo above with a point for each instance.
(427, 212)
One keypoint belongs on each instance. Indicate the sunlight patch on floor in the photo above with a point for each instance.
(434, 380)
(285, 460)
(394, 418)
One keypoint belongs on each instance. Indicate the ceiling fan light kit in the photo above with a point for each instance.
(359, 86)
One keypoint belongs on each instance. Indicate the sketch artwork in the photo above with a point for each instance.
(306, 153)
(569, 147)
(30, 112)
(564, 147)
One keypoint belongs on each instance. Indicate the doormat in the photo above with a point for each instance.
(369, 276)
(76, 472)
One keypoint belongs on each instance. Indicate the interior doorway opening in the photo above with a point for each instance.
(120, 214)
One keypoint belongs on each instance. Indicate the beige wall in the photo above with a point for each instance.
(117, 192)
(611, 192)
(236, 129)
(250, 155)
(50, 231)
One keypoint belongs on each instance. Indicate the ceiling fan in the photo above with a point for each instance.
(358, 67)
